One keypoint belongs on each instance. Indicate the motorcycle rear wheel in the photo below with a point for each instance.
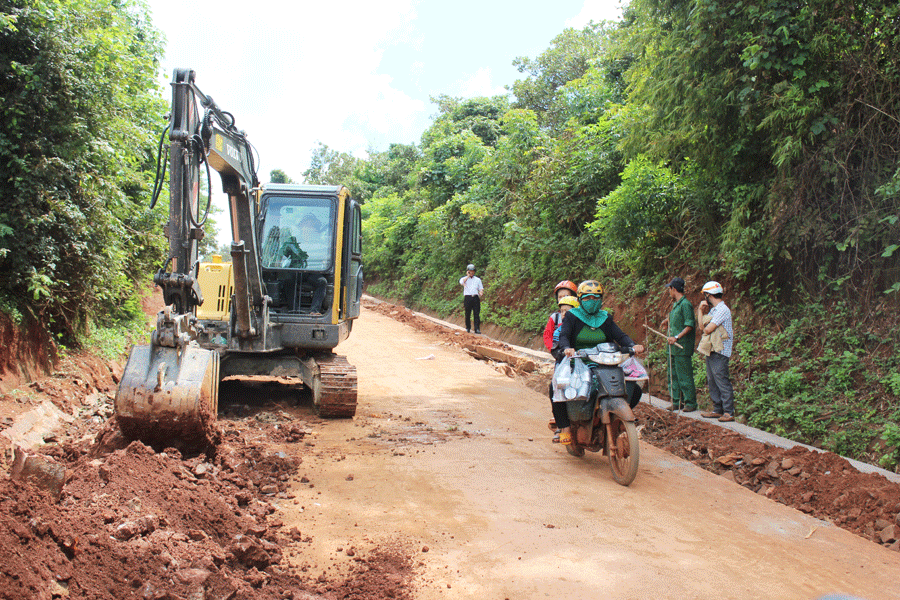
(624, 451)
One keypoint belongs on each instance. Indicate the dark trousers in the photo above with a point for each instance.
(717, 378)
(472, 304)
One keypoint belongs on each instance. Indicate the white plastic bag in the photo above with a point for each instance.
(634, 370)
(571, 380)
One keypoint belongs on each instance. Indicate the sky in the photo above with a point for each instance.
(354, 75)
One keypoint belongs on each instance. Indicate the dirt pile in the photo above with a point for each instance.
(133, 522)
(821, 484)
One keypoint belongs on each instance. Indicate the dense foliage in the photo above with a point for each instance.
(751, 142)
(80, 111)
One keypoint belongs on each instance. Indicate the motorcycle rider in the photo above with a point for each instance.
(585, 327)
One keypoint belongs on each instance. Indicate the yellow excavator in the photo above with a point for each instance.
(286, 300)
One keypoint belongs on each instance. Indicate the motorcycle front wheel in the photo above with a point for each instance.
(624, 451)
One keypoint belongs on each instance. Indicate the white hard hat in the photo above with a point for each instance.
(470, 268)
(713, 287)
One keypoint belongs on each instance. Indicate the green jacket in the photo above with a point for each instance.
(682, 316)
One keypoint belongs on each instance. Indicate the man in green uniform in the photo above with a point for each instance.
(682, 324)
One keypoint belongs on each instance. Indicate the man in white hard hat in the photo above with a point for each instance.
(717, 378)
(473, 292)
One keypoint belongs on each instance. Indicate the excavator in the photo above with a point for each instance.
(288, 297)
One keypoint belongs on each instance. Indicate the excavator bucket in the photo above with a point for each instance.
(169, 395)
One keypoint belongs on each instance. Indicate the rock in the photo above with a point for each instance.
(105, 473)
(254, 552)
(202, 469)
(895, 546)
(888, 534)
(728, 460)
(197, 535)
(787, 464)
(39, 527)
(142, 526)
(193, 577)
(527, 366)
(729, 475)
(881, 523)
(772, 469)
(269, 489)
(39, 471)
(59, 589)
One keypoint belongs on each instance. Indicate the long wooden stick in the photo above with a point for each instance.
(662, 334)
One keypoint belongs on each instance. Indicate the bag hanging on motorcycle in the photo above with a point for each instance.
(571, 381)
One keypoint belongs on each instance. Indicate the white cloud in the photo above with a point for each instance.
(294, 74)
(478, 84)
(597, 10)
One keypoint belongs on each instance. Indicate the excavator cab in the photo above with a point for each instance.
(299, 236)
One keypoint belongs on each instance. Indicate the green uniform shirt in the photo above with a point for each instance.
(682, 316)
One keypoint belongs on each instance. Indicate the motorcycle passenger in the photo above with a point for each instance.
(563, 289)
(585, 327)
(566, 301)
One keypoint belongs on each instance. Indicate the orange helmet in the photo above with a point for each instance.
(566, 285)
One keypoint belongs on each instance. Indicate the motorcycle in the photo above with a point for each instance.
(597, 402)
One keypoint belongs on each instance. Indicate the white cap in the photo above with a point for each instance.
(713, 287)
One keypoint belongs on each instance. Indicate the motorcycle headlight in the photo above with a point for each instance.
(608, 358)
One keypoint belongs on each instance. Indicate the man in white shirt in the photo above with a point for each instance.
(473, 292)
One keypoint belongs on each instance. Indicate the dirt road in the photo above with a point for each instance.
(453, 458)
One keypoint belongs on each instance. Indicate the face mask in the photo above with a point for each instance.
(591, 306)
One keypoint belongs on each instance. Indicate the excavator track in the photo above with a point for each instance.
(334, 387)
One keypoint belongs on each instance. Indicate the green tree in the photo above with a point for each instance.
(80, 113)
(572, 55)
(795, 109)
(279, 176)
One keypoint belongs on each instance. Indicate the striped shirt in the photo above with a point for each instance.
(721, 316)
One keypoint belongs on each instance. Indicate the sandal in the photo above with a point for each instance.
(565, 438)
(556, 437)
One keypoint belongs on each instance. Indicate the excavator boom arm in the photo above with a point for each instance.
(225, 149)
